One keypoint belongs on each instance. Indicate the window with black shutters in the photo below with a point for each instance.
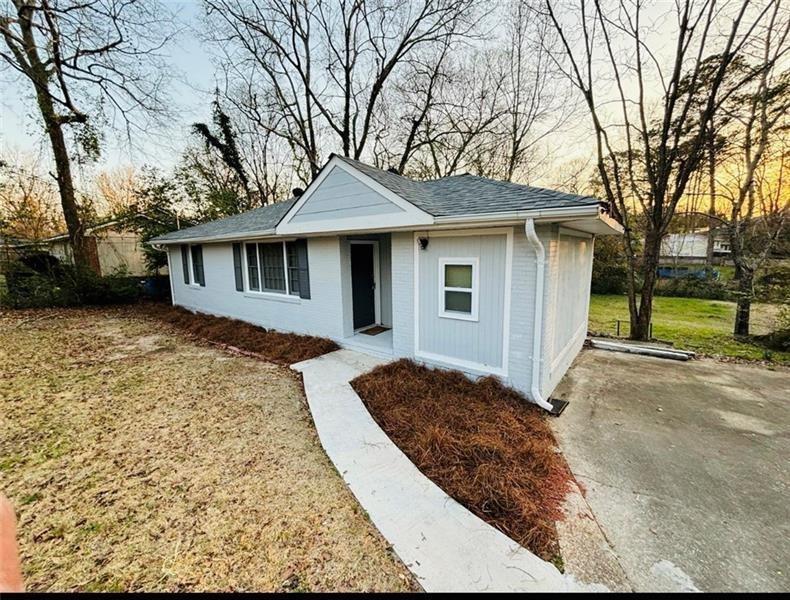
(253, 280)
(197, 265)
(276, 268)
(292, 254)
(273, 269)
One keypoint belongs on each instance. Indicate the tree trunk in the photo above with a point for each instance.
(743, 308)
(712, 205)
(37, 72)
(65, 184)
(640, 322)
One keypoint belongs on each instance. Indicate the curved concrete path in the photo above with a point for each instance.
(446, 547)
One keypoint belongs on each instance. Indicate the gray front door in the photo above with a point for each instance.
(363, 285)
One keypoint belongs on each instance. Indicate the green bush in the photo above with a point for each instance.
(610, 270)
(66, 286)
(694, 287)
(779, 338)
(773, 285)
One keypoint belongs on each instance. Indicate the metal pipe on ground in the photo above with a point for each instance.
(645, 350)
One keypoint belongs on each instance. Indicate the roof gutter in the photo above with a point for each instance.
(553, 215)
(542, 214)
(227, 237)
(537, 325)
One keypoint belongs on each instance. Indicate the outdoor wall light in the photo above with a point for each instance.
(423, 243)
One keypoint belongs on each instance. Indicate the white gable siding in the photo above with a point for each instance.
(341, 195)
(321, 315)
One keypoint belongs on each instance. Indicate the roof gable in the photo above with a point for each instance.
(341, 195)
(344, 198)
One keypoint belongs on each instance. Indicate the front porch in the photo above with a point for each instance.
(379, 345)
(366, 270)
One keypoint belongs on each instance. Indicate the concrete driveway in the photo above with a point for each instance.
(686, 467)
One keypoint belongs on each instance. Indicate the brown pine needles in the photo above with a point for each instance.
(274, 346)
(481, 442)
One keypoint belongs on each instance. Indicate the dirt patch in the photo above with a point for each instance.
(481, 442)
(138, 460)
(281, 348)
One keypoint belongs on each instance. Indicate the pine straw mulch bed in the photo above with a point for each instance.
(274, 346)
(481, 442)
(139, 460)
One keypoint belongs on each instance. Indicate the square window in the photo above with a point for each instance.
(458, 288)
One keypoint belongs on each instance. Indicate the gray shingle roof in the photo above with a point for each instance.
(470, 194)
(256, 220)
(457, 195)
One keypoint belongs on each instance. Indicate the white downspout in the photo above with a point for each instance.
(537, 325)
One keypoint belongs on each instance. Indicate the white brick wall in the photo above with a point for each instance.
(403, 294)
(321, 315)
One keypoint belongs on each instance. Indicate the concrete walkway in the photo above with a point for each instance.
(443, 544)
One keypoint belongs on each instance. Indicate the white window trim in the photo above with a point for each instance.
(193, 282)
(473, 262)
(266, 293)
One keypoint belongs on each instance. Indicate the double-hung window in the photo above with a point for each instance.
(458, 288)
(292, 265)
(192, 265)
(273, 267)
(277, 268)
(253, 268)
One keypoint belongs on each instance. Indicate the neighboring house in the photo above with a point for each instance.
(112, 245)
(463, 272)
(9, 250)
(692, 246)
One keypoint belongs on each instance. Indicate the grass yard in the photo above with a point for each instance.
(138, 459)
(704, 326)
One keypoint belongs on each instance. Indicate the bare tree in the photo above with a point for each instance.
(406, 107)
(650, 148)
(753, 173)
(481, 110)
(224, 142)
(325, 65)
(89, 62)
(28, 201)
(116, 190)
(458, 133)
(535, 99)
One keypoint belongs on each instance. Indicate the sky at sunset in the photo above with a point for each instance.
(191, 94)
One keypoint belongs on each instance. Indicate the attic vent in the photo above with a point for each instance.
(297, 192)
(393, 170)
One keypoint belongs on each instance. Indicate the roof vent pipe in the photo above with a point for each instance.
(537, 325)
(297, 192)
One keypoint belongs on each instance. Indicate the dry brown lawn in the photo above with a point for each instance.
(138, 459)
